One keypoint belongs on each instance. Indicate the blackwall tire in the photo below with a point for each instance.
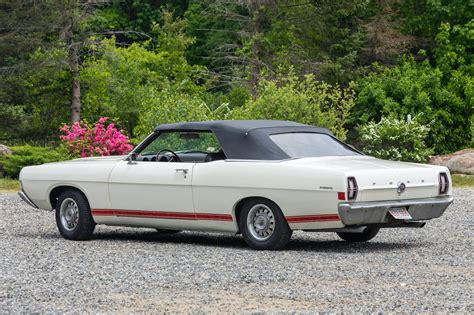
(73, 216)
(263, 225)
(368, 234)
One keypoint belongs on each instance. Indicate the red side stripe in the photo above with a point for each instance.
(161, 214)
(103, 212)
(210, 216)
(313, 218)
(155, 214)
(202, 216)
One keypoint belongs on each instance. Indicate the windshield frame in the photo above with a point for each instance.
(153, 136)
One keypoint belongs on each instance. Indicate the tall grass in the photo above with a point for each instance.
(463, 180)
(8, 184)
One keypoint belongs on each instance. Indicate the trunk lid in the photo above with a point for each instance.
(379, 180)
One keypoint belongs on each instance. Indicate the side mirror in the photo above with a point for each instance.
(131, 158)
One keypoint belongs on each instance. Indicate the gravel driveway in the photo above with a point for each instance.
(137, 270)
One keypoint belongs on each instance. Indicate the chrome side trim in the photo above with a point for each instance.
(377, 212)
(25, 198)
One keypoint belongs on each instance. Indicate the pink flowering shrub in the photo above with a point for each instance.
(83, 140)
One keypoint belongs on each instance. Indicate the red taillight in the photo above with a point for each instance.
(351, 188)
(341, 196)
(443, 183)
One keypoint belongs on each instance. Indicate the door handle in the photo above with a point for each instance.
(183, 170)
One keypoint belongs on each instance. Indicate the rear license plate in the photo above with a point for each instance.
(400, 213)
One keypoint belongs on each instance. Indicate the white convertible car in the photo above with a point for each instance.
(263, 179)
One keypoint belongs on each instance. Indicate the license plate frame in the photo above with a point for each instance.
(400, 213)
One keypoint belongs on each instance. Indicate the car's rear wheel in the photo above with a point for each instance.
(368, 234)
(263, 225)
(73, 216)
(163, 231)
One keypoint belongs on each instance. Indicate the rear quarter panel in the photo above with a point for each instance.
(302, 192)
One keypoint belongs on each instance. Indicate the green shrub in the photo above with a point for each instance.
(307, 101)
(168, 107)
(396, 139)
(26, 155)
(419, 88)
(286, 98)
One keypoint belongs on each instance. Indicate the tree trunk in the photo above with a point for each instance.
(73, 63)
(255, 76)
(76, 87)
(255, 12)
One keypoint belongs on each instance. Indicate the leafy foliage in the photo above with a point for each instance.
(418, 88)
(307, 101)
(121, 81)
(169, 107)
(131, 21)
(423, 17)
(11, 165)
(33, 101)
(396, 139)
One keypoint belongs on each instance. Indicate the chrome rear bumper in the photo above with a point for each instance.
(25, 198)
(377, 212)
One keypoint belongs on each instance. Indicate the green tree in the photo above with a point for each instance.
(422, 18)
(120, 82)
(40, 52)
(37, 100)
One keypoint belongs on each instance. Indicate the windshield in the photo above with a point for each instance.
(182, 142)
(180, 146)
(299, 145)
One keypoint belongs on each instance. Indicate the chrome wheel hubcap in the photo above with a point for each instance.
(261, 222)
(69, 214)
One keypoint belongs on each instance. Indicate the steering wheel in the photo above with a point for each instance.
(173, 158)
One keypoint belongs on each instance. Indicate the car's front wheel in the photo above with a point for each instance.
(368, 234)
(263, 225)
(73, 216)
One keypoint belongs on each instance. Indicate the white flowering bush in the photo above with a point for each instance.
(396, 139)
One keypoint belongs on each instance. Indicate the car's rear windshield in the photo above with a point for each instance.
(305, 144)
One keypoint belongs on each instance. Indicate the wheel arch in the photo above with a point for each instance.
(238, 206)
(55, 191)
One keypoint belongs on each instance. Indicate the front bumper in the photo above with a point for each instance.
(26, 199)
(377, 212)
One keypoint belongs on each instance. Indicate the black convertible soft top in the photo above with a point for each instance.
(246, 139)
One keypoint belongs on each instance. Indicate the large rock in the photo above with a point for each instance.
(4, 150)
(461, 162)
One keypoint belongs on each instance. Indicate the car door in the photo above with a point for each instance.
(153, 194)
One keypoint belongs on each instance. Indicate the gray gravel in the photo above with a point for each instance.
(136, 270)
